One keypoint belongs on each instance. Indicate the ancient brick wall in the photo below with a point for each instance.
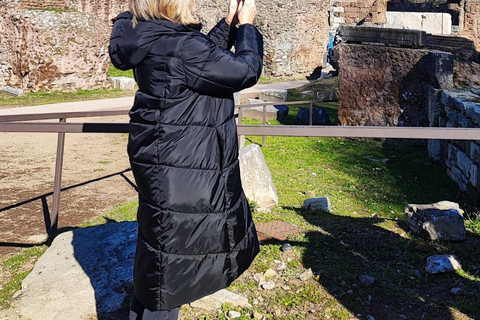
(45, 4)
(295, 32)
(45, 50)
(471, 21)
(371, 82)
(39, 53)
(357, 11)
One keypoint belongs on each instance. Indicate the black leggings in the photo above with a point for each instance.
(139, 312)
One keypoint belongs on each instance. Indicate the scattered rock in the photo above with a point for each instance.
(317, 205)
(456, 291)
(418, 274)
(12, 91)
(305, 275)
(215, 301)
(259, 278)
(282, 266)
(286, 247)
(270, 273)
(442, 263)
(234, 314)
(257, 315)
(269, 285)
(350, 291)
(366, 280)
(331, 95)
(438, 221)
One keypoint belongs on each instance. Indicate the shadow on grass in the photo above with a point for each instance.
(351, 247)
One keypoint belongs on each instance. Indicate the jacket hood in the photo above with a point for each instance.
(129, 46)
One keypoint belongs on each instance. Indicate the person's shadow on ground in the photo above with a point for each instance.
(348, 248)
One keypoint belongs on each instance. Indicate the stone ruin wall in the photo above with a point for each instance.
(370, 80)
(59, 49)
(460, 157)
(370, 11)
(470, 21)
(62, 44)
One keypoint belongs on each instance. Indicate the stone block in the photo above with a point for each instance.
(88, 268)
(464, 163)
(274, 95)
(434, 107)
(123, 83)
(472, 110)
(442, 263)
(324, 95)
(434, 149)
(337, 9)
(317, 205)
(438, 221)
(255, 108)
(12, 91)
(236, 98)
(215, 300)
(319, 116)
(434, 23)
(441, 67)
(474, 176)
(257, 180)
(475, 152)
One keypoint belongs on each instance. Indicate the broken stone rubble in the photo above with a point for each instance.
(439, 221)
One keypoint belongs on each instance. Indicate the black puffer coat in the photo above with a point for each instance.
(196, 233)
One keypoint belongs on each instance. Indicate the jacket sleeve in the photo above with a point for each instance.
(212, 70)
(223, 34)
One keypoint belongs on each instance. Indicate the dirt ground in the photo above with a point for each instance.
(93, 181)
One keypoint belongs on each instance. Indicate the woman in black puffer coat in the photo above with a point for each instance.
(196, 233)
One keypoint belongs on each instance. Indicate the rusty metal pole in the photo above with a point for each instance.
(57, 184)
(310, 114)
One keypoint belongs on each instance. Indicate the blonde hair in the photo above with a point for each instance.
(179, 11)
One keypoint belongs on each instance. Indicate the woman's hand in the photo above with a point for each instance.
(247, 11)
(232, 16)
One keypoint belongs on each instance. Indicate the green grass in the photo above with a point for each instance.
(18, 267)
(41, 98)
(114, 72)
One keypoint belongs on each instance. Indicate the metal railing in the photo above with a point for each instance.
(16, 123)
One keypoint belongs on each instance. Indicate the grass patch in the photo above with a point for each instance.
(41, 98)
(15, 270)
(114, 72)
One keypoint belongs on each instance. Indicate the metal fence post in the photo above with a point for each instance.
(264, 122)
(57, 184)
(310, 114)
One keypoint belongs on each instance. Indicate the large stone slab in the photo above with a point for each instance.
(123, 83)
(438, 221)
(84, 272)
(257, 109)
(431, 22)
(388, 36)
(215, 300)
(257, 180)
